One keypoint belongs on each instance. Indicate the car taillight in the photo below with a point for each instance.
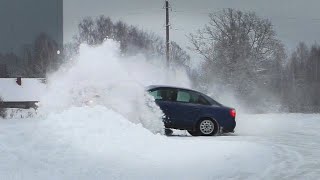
(233, 113)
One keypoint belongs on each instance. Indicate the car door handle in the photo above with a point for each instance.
(195, 110)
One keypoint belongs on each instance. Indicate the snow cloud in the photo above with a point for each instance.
(102, 76)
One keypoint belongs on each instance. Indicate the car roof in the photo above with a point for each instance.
(167, 86)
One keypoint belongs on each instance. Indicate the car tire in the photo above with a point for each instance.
(206, 127)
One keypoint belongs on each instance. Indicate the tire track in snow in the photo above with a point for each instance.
(295, 156)
(285, 162)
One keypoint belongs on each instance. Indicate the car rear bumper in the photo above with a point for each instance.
(229, 128)
(227, 131)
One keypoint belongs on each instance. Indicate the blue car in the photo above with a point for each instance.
(193, 111)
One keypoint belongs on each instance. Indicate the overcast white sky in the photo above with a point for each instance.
(294, 20)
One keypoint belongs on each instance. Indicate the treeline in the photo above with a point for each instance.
(132, 39)
(301, 80)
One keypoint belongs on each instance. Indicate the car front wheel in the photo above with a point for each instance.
(206, 127)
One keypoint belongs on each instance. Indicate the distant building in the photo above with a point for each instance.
(22, 22)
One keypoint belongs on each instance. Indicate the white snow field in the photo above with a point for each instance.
(97, 143)
(95, 121)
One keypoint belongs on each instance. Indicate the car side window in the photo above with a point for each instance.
(155, 94)
(202, 100)
(165, 94)
(191, 97)
(183, 96)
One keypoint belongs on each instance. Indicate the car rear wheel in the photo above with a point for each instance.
(206, 127)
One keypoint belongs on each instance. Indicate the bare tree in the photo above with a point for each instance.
(104, 28)
(238, 48)
(179, 56)
(87, 32)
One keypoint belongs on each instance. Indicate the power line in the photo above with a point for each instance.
(142, 11)
(297, 18)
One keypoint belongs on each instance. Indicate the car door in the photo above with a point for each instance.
(186, 111)
(164, 97)
(178, 106)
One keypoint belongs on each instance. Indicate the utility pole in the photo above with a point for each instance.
(167, 33)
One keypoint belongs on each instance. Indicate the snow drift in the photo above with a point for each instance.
(98, 143)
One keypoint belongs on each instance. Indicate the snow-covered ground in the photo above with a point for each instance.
(97, 143)
(118, 135)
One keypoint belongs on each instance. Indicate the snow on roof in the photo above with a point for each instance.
(31, 89)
